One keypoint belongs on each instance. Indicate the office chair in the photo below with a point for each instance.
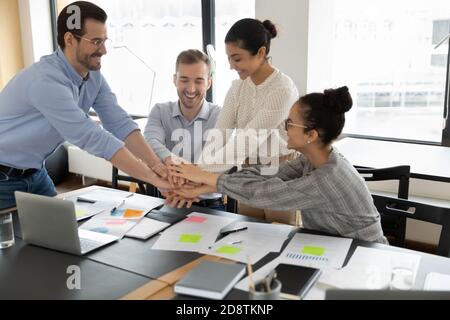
(144, 187)
(418, 211)
(393, 226)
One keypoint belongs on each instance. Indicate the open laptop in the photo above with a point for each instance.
(353, 294)
(52, 223)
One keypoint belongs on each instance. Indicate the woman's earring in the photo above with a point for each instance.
(308, 141)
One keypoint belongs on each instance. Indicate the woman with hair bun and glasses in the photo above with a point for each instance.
(328, 190)
(259, 99)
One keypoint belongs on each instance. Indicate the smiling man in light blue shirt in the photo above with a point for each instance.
(48, 103)
(178, 129)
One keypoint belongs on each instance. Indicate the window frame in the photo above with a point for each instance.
(208, 34)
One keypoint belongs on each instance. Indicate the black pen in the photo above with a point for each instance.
(232, 231)
(81, 199)
(117, 207)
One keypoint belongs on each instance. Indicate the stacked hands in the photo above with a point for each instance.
(185, 182)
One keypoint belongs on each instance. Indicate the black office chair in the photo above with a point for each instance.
(393, 227)
(144, 187)
(418, 211)
(232, 205)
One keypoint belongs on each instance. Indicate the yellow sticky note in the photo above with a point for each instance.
(190, 238)
(315, 251)
(228, 250)
(80, 213)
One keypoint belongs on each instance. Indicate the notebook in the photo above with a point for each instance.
(296, 280)
(147, 228)
(166, 216)
(210, 279)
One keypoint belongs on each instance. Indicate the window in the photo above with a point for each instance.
(147, 37)
(227, 13)
(384, 52)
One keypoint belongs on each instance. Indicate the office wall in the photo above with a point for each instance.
(11, 57)
(290, 48)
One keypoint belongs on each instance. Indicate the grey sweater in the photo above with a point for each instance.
(333, 198)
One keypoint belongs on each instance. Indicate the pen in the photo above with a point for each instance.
(229, 243)
(232, 231)
(116, 207)
(269, 278)
(250, 274)
(81, 199)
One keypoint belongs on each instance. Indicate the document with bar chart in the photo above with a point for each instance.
(316, 251)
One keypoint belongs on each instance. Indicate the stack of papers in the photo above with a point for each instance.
(195, 233)
(129, 210)
(252, 244)
(306, 250)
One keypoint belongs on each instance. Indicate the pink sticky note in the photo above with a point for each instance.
(116, 221)
(195, 219)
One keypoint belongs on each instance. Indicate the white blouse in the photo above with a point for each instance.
(251, 107)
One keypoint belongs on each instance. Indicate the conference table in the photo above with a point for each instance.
(130, 268)
(427, 162)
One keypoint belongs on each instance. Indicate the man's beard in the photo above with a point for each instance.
(84, 61)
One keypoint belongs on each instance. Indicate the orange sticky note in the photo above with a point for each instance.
(130, 213)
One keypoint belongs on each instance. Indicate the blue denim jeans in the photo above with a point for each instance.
(37, 183)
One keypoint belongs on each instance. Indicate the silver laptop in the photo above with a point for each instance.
(52, 223)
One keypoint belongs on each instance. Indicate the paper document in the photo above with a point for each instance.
(437, 282)
(147, 228)
(115, 227)
(196, 232)
(254, 242)
(316, 251)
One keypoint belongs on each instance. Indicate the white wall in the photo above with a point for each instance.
(289, 50)
(36, 29)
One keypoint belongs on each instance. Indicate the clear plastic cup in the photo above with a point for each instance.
(6, 230)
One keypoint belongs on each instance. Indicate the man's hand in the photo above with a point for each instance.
(160, 169)
(175, 181)
(176, 201)
(190, 192)
(193, 173)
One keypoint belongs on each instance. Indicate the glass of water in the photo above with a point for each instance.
(6, 230)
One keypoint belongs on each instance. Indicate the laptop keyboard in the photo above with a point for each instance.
(87, 245)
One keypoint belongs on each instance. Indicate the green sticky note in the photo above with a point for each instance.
(80, 213)
(315, 251)
(190, 238)
(228, 250)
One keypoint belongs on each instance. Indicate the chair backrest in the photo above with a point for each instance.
(394, 227)
(400, 173)
(418, 211)
(144, 187)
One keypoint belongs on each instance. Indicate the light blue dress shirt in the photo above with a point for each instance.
(47, 104)
(169, 133)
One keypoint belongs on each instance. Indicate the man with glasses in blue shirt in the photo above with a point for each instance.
(48, 103)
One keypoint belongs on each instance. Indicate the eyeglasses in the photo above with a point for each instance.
(96, 42)
(288, 123)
